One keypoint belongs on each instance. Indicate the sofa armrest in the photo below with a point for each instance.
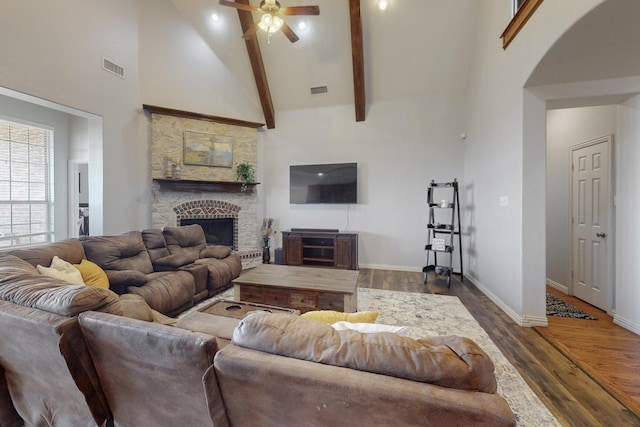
(172, 262)
(215, 251)
(119, 280)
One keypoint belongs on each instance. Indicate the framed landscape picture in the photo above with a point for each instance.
(206, 149)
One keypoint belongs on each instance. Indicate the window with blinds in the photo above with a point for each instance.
(26, 184)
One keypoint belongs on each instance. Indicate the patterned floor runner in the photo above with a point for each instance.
(557, 307)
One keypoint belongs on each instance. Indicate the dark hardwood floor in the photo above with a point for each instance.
(571, 394)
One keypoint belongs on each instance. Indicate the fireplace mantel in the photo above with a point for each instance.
(199, 186)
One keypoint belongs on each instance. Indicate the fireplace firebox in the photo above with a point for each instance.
(218, 231)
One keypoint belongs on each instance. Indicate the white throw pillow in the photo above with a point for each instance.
(371, 328)
(62, 270)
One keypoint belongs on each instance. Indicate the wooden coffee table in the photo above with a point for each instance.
(300, 288)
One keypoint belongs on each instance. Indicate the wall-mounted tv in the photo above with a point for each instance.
(324, 183)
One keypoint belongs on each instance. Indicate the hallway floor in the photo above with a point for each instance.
(607, 352)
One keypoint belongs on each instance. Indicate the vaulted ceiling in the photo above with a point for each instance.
(414, 48)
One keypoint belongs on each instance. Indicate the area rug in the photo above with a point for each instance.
(428, 315)
(557, 307)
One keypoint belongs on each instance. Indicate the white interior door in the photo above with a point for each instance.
(591, 213)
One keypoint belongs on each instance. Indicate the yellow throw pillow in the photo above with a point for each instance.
(92, 274)
(330, 317)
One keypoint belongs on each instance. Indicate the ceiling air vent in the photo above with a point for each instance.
(319, 90)
(112, 67)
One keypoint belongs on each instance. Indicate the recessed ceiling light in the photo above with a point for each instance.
(384, 4)
(302, 25)
(215, 17)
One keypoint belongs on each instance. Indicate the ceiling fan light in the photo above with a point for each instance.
(277, 23)
(265, 22)
(270, 23)
(384, 4)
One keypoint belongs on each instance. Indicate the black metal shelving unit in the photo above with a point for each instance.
(441, 234)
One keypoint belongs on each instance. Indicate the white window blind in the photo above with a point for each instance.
(26, 197)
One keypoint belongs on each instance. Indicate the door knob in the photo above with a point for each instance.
(601, 234)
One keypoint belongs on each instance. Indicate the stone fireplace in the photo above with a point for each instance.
(218, 219)
(183, 193)
(240, 210)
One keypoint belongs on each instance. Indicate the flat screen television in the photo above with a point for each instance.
(324, 183)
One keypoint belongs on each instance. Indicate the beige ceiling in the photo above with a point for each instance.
(415, 48)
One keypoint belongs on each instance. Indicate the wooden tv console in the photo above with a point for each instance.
(320, 248)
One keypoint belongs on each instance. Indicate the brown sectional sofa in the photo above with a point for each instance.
(169, 282)
(70, 356)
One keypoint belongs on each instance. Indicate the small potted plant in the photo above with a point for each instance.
(246, 174)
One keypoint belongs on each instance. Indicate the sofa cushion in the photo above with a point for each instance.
(124, 252)
(173, 261)
(124, 278)
(70, 250)
(188, 239)
(167, 292)
(92, 274)
(55, 296)
(135, 307)
(11, 266)
(447, 361)
(62, 270)
(48, 369)
(154, 241)
(171, 380)
(215, 251)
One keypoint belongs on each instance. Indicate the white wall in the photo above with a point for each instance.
(399, 149)
(627, 292)
(566, 128)
(59, 58)
(179, 70)
(505, 156)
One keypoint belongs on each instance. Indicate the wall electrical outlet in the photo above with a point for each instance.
(503, 201)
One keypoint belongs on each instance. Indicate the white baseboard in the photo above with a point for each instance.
(559, 286)
(633, 327)
(391, 267)
(525, 321)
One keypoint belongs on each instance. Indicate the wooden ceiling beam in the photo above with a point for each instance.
(257, 66)
(357, 53)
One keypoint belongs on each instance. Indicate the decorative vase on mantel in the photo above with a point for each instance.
(266, 253)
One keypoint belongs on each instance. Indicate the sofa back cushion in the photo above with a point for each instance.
(188, 239)
(447, 361)
(70, 250)
(170, 376)
(154, 241)
(48, 371)
(11, 266)
(267, 390)
(124, 252)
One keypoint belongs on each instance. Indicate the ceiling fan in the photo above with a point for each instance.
(271, 20)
